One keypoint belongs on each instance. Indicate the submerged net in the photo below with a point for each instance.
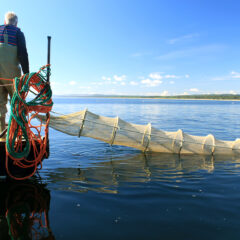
(115, 131)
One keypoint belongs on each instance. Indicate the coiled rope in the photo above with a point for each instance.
(22, 135)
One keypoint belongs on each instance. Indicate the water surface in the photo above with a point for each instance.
(90, 190)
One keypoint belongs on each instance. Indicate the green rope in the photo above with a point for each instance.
(19, 105)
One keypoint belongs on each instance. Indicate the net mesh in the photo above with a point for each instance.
(115, 131)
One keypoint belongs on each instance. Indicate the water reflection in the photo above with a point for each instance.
(106, 176)
(24, 210)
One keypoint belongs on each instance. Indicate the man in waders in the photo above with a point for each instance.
(13, 53)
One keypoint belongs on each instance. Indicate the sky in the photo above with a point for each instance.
(134, 47)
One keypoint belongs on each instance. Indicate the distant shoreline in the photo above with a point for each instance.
(221, 97)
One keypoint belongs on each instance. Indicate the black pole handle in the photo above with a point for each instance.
(48, 57)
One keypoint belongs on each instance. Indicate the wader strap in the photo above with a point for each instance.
(5, 35)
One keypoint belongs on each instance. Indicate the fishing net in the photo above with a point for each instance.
(115, 131)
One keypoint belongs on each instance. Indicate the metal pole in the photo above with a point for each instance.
(48, 80)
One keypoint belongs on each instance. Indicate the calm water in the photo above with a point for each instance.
(89, 190)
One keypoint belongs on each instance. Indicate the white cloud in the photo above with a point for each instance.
(232, 92)
(159, 76)
(138, 54)
(164, 93)
(119, 78)
(193, 90)
(133, 83)
(193, 51)
(146, 81)
(72, 83)
(151, 83)
(114, 80)
(233, 75)
(171, 76)
(155, 76)
(183, 38)
(187, 76)
(104, 78)
(222, 78)
(123, 83)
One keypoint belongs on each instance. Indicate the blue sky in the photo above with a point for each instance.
(134, 47)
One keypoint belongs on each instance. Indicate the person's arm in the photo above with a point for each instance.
(22, 52)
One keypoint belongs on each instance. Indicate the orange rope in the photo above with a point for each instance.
(7, 79)
(38, 144)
